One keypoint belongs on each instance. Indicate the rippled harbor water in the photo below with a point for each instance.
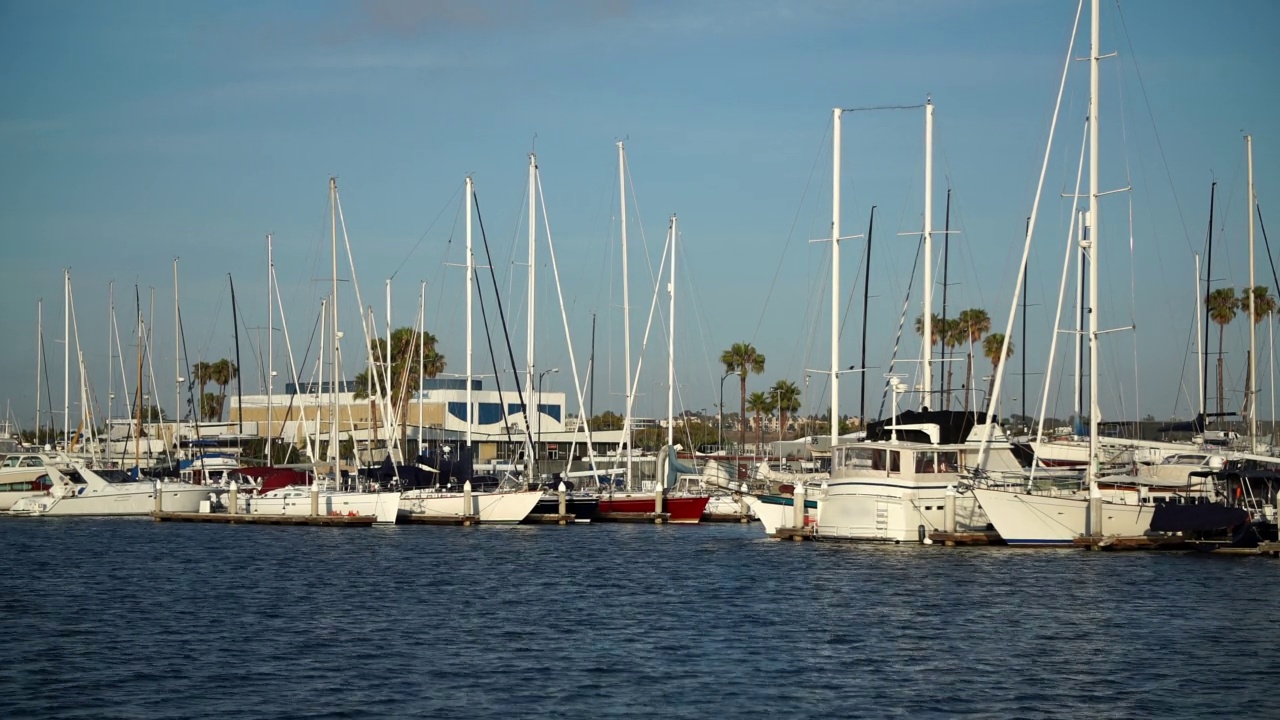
(129, 618)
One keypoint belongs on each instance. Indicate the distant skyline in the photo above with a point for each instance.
(132, 133)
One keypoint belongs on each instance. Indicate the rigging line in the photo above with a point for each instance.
(296, 389)
(902, 321)
(497, 381)
(792, 230)
(427, 231)
(1155, 131)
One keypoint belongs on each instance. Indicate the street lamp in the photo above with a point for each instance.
(720, 433)
(537, 413)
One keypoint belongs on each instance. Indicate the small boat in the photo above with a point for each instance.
(23, 474)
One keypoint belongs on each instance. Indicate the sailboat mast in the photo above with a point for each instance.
(177, 356)
(40, 359)
(835, 279)
(66, 358)
(1208, 284)
(928, 253)
(626, 306)
(470, 292)
(866, 301)
(422, 354)
(334, 454)
(1091, 244)
(1199, 343)
(531, 456)
(271, 368)
(591, 379)
(671, 354)
(111, 379)
(1078, 399)
(1253, 334)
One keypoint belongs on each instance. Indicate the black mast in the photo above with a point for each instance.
(866, 300)
(235, 325)
(946, 264)
(1208, 281)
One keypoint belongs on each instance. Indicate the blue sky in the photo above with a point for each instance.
(132, 133)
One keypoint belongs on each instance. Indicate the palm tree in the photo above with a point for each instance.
(974, 324)
(935, 328)
(202, 375)
(786, 396)
(210, 407)
(954, 335)
(744, 359)
(991, 348)
(222, 373)
(1263, 305)
(759, 403)
(1222, 304)
(401, 364)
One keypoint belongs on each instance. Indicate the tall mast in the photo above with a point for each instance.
(626, 305)
(177, 356)
(470, 292)
(40, 360)
(334, 382)
(866, 301)
(1078, 399)
(111, 376)
(591, 365)
(671, 354)
(835, 278)
(928, 252)
(1199, 342)
(1208, 283)
(271, 367)
(1091, 243)
(531, 456)
(422, 354)
(66, 358)
(1253, 334)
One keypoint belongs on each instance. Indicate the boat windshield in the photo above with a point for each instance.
(11, 461)
(115, 476)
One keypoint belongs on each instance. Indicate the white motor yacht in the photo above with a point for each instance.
(80, 490)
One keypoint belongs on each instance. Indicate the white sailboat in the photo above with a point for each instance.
(329, 495)
(502, 507)
(1107, 505)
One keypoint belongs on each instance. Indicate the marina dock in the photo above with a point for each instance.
(416, 519)
(245, 519)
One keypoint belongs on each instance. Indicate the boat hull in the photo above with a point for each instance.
(881, 511)
(686, 509)
(489, 507)
(583, 508)
(296, 500)
(1049, 520)
(118, 500)
(778, 511)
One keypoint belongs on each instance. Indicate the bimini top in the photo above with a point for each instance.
(952, 426)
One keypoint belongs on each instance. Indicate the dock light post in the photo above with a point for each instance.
(720, 433)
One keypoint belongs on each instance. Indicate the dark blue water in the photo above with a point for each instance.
(133, 619)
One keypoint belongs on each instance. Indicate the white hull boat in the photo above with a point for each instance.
(489, 507)
(1029, 519)
(85, 492)
(296, 500)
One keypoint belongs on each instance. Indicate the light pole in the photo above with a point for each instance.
(537, 413)
(720, 433)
